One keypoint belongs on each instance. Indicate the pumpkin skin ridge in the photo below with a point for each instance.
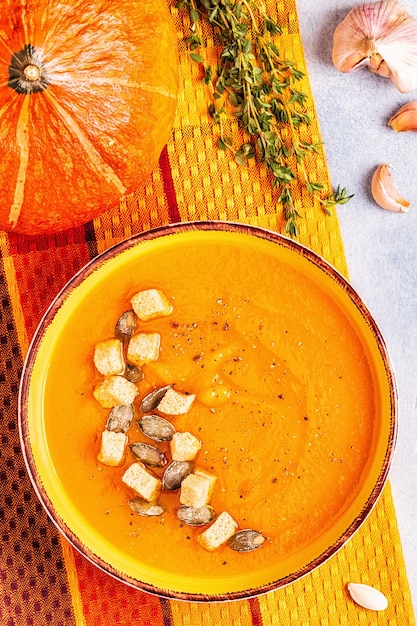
(133, 84)
(89, 148)
(122, 168)
(71, 198)
(22, 140)
(113, 80)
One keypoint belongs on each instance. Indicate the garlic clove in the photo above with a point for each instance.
(405, 118)
(368, 597)
(381, 36)
(385, 192)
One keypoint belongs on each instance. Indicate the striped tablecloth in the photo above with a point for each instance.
(42, 579)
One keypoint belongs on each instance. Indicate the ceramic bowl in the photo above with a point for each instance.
(295, 408)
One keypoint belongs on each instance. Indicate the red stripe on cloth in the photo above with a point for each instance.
(166, 612)
(107, 602)
(169, 188)
(43, 265)
(255, 611)
(90, 239)
(24, 244)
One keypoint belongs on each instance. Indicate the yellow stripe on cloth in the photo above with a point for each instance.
(210, 185)
(13, 290)
(236, 613)
(77, 604)
(141, 210)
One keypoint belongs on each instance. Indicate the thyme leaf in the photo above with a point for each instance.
(337, 197)
(262, 88)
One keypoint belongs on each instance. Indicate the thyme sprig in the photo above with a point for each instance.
(263, 91)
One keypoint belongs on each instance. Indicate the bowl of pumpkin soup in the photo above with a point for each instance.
(208, 411)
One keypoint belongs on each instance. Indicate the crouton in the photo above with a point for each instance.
(210, 477)
(112, 448)
(151, 303)
(218, 533)
(184, 446)
(143, 348)
(176, 403)
(108, 357)
(195, 491)
(140, 480)
(115, 390)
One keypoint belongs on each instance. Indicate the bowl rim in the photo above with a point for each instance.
(170, 229)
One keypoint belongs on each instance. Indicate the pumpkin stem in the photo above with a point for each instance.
(32, 72)
(27, 71)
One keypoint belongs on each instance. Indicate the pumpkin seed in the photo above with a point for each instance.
(144, 508)
(175, 474)
(368, 597)
(149, 455)
(196, 516)
(120, 418)
(151, 401)
(156, 428)
(125, 326)
(246, 540)
(133, 373)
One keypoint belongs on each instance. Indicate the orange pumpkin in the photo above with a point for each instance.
(88, 95)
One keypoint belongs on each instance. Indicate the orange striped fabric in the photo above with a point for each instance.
(42, 579)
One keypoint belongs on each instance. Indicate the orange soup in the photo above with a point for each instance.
(287, 401)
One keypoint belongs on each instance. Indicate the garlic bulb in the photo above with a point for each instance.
(381, 36)
(405, 118)
(385, 192)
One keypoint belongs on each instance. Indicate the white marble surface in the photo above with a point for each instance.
(381, 247)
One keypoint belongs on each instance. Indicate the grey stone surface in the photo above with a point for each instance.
(381, 247)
